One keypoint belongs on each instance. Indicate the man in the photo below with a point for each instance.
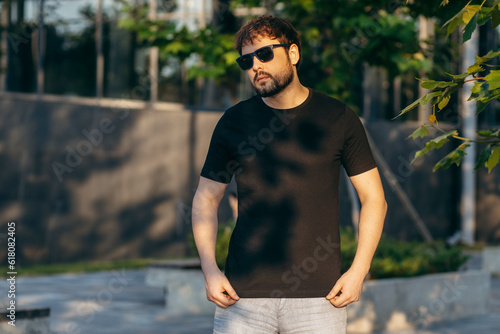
(284, 147)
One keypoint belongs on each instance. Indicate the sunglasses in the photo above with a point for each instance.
(264, 54)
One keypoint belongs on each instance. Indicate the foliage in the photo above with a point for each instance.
(486, 89)
(210, 53)
(224, 232)
(395, 258)
(337, 38)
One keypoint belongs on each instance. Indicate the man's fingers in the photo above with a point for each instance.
(335, 291)
(339, 301)
(225, 298)
(345, 298)
(221, 304)
(230, 292)
(222, 299)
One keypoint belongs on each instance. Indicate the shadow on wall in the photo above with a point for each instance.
(432, 194)
(84, 183)
(436, 196)
(488, 206)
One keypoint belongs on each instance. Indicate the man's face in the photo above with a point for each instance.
(272, 77)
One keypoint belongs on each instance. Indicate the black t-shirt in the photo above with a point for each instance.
(286, 165)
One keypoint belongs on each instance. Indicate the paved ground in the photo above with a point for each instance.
(115, 302)
(120, 302)
(489, 324)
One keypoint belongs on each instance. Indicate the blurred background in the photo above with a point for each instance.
(107, 108)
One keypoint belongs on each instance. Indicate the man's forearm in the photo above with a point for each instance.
(204, 220)
(371, 223)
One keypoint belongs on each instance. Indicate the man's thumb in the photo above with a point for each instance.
(334, 292)
(230, 291)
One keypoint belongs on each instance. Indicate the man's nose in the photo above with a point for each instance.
(257, 64)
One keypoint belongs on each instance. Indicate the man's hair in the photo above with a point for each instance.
(271, 27)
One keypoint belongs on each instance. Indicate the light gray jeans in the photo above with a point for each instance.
(280, 315)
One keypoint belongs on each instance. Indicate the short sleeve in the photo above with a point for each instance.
(357, 156)
(219, 164)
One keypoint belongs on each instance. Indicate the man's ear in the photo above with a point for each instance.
(293, 53)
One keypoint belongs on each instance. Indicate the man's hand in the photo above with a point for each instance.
(350, 286)
(219, 290)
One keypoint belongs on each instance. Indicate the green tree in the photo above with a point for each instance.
(486, 89)
(211, 50)
(338, 37)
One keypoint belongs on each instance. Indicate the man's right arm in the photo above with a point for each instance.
(204, 219)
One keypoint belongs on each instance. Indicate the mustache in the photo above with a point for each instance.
(261, 73)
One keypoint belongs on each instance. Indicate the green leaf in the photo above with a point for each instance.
(495, 16)
(230, 57)
(473, 69)
(441, 140)
(454, 157)
(469, 28)
(127, 23)
(420, 132)
(483, 102)
(422, 101)
(479, 90)
(485, 14)
(487, 57)
(435, 144)
(444, 102)
(470, 12)
(483, 157)
(429, 96)
(493, 80)
(487, 133)
(455, 21)
(410, 107)
(175, 47)
(481, 105)
(459, 77)
(431, 84)
(493, 160)
(468, 16)
(450, 90)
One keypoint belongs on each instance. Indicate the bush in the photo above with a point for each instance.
(395, 258)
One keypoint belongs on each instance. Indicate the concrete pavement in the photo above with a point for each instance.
(115, 302)
(120, 302)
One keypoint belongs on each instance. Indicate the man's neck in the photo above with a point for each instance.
(292, 96)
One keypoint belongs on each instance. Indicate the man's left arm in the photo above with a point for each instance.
(371, 221)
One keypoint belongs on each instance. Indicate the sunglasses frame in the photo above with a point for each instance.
(252, 54)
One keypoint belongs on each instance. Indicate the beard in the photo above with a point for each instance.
(275, 84)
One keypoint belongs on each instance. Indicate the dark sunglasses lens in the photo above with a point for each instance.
(265, 54)
(245, 62)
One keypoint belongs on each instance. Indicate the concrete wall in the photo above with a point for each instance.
(436, 196)
(124, 193)
(491, 260)
(115, 180)
(400, 304)
(432, 194)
